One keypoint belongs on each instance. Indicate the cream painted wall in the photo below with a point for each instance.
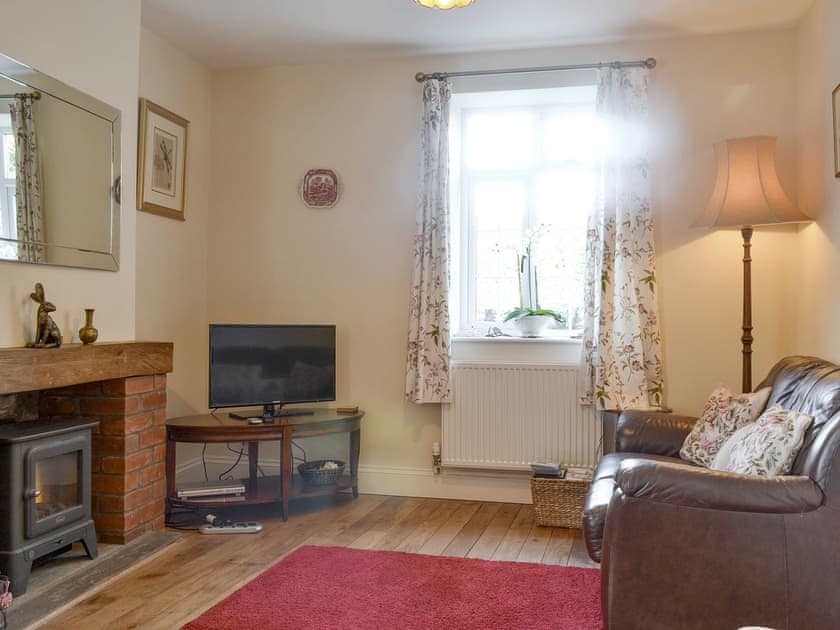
(708, 90)
(172, 255)
(276, 261)
(273, 260)
(819, 272)
(92, 45)
(351, 265)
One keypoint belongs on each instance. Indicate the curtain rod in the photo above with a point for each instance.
(650, 62)
(32, 95)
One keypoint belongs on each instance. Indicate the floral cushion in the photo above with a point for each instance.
(723, 414)
(766, 447)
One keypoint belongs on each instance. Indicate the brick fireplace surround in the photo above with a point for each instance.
(123, 386)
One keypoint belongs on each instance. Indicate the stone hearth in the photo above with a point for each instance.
(121, 385)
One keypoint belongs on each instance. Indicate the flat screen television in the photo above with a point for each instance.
(271, 365)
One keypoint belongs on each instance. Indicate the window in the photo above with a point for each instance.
(8, 212)
(523, 168)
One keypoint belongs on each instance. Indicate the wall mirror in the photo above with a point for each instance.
(59, 172)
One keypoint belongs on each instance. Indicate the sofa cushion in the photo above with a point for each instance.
(766, 447)
(600, 494)
(722, 416)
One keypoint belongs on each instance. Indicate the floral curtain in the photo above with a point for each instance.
(622, 359)
(30, 219)
(427, 371)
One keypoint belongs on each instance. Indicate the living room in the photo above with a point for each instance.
(310, 177)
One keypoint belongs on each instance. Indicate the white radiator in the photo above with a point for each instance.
(505, 415)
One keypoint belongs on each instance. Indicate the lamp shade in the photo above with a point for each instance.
(444, 4)
(747, 189)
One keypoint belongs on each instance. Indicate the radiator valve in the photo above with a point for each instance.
(436, 457)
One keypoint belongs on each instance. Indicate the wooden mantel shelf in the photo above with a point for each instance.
(30, 369)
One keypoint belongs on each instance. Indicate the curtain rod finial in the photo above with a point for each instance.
(650, 63)
(420, 77)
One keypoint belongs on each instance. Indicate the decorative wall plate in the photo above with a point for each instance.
(320, 188)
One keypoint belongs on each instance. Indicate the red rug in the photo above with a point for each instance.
(335, 587)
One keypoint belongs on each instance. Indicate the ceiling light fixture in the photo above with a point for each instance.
(444, 4)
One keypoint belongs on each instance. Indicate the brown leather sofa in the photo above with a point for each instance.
(684, 547)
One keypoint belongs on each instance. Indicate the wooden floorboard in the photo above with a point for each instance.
(559, 546)
(397, 534)
(579, 557)
(414, 542)
(472, 530)
(495, 531)
(444, 536)
(393, 521)
(60, 583)
(516, 535)
(535, 545)
(199, 571)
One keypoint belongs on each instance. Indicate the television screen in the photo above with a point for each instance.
(262, 365)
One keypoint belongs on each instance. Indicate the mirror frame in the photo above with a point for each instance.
(29, 77)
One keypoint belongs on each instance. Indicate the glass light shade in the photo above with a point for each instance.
(444, 4)
(747, 188)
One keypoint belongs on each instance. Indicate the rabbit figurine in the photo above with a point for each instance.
(47, 334)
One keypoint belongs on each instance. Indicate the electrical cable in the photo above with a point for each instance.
(204, 461)
(182, 528)
(185, 524)
(235, 464)
(302, 450)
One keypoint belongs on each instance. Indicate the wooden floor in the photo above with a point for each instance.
(198, 571)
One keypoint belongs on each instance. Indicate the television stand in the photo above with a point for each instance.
(277, 489)
(270, 412)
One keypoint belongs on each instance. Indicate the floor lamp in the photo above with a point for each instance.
(748, 194)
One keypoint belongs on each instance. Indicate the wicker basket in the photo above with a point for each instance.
(315, 474)
(559, 502)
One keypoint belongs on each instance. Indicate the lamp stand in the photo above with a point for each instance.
(746, 337)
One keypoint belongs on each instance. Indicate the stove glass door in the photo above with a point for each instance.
(57, 485)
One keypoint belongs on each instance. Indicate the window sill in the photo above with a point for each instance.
(553, 349)
(527, 340)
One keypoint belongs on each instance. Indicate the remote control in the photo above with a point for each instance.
(231, 528)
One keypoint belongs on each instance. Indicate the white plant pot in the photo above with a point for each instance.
(532, 325)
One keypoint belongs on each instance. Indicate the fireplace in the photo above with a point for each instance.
(45, 500)
(82, 436)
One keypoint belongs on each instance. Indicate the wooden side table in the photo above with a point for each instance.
(221, 428)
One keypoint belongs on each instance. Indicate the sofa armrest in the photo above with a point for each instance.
(667, 563)
(652, 432)
(694, 487)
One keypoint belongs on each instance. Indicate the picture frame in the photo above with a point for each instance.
(162, 150)
(835, 109)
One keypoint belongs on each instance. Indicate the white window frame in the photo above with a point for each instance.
(7, 188)
(463, 182)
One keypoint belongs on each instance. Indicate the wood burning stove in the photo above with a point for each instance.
(45, 493)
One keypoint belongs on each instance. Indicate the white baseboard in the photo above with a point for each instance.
(452, 483)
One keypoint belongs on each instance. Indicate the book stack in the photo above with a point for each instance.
(548, 469)
(211, 492)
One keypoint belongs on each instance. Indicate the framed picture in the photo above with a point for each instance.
(162, 161)
(835, 102)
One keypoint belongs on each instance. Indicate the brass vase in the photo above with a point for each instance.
(88, 334)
